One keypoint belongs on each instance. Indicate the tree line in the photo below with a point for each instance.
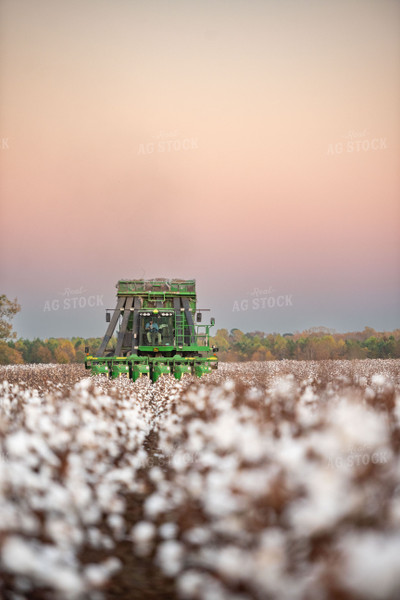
(234, 346)
(52, 350)
(317, 343)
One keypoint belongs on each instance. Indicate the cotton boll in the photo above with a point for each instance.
(220, 501)
(58, 497)
(68, 581)
(112, 565)
(95, 575)
(233, 563)
(84, 384)
(251, 444)
(68, 417)
(181, 460)
(308, 396)
(28, 523)
(143, 532)
(154, 505)
(17, 555)
(107, 542)
(190, 584)
(199, 585)
(284, 389)
(194, 484)
(156, 475)
(378, 379)
(44, 563)
(226, 429)
(168, 530)
(214, 590)
(229, 385)
(94, 536)
(252, 481)
(170, 557)
(344, 416)
(397, 408)
(290, 453)
(59, 531)
(81, 493)
(198, 535)
(17, 444)
(306, 415)
(120, 475)
(329, 498)
(371, 564)
(269, 560)
(117, 524)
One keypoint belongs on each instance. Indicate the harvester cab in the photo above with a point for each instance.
(159, 332)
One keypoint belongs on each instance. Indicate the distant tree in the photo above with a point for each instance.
(8, 353)
(280, 348)
(35, 351)
(67, 347)
(262, 353)
(221, 340)
(372, 346)
(367, 333)
(80, 355)
(61, 356)
(44, 355)
(8, 310)
(52, 344)
(20, 345)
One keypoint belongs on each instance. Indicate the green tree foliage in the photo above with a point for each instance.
(9, 355)
(52, 350)
(8, 310)
(315, 344)
(318, 343)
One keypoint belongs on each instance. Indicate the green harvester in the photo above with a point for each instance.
(159, 332)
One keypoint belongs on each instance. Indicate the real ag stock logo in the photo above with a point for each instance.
(73, 299)
(261, 299)
(167, 142)
(358, 457)
(358, 141)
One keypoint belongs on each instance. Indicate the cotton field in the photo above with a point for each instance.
(273, 480)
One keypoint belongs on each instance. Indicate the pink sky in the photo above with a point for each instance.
(247, 145)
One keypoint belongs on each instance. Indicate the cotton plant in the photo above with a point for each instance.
(273, 479)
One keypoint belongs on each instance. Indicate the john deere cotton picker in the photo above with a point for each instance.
(160, 332)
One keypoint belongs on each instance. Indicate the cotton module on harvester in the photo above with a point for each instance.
(160, 332)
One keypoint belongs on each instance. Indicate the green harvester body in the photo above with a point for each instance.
(160, 332)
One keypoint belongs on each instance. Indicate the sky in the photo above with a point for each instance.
(253, 146)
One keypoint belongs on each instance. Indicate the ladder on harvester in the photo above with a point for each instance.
(184, 327)
(179, 329)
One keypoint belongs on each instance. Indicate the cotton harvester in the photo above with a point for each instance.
(160, 332)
